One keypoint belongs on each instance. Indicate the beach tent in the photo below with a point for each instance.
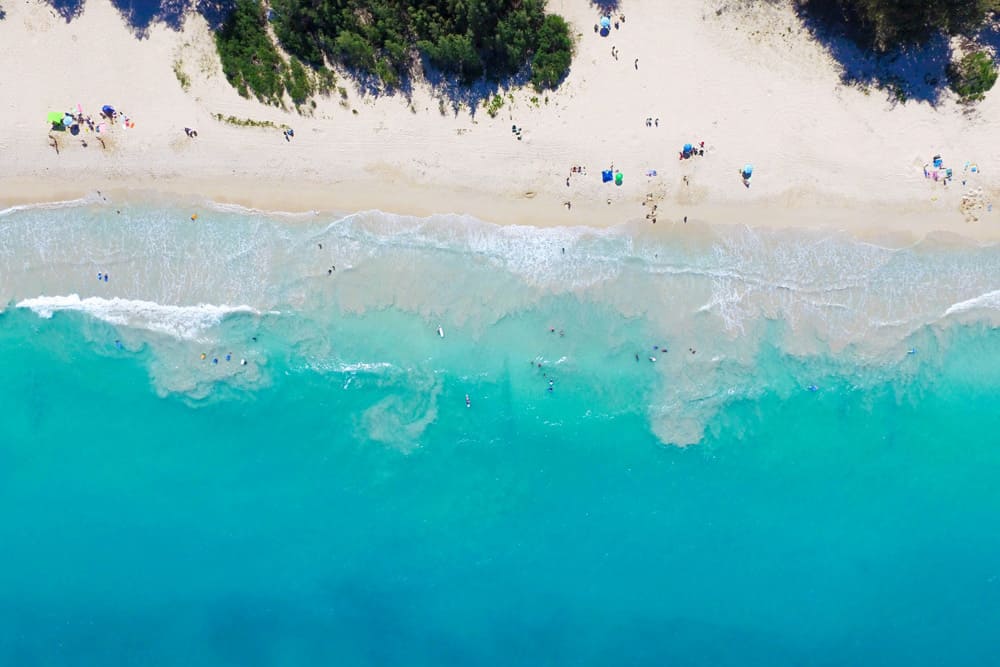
(108, 110)
(618, 178)
(606, 176)
(747, 170)
(56, 117)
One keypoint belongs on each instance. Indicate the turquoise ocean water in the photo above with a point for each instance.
(334, 501)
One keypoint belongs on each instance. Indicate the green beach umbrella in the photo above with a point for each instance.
(618, 178)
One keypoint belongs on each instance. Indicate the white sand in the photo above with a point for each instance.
(750, 83)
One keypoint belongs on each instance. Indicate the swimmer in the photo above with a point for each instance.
(229, 356)
(194, 216)
(812, 387)
(253, 338)
(637, 356)
(468, 401)
(203, 356)
(329, 272)
(912, 350)
(320, 245)
(552, 329)
(118, 344)
(105, 277)
(99, 275)
(653, 359)
(441, 332)
(243, 362)
(215, 360)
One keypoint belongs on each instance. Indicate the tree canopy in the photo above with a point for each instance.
(466, 38)
(889, 24)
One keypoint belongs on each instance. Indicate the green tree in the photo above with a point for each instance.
(468, 38)
(249, 58)
(554, 54)
(973, 75)
(455, 54)
(889, 24)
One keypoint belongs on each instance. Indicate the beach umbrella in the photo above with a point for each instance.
(618, 178)
(605, 22)
(688, 148)
(55, 117)
(108, 109)
(747, 170)
(606, 176)
(68, 120)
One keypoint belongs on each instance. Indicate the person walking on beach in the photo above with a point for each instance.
(636, 64)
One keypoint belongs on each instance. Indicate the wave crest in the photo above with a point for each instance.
(182, 322)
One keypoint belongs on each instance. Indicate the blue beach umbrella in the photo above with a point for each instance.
(606, 176)
(747, 170)
(688, 148)
(605, 22)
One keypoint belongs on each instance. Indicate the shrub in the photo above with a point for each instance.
(249, 58)
(554, 53)
(467, 38)
(182, 77)
(299, 84)
(493, 106)
(972, 76)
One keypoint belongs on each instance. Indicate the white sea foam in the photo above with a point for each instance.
(182, 322)
(43, 206)
(237, 209)
(989, 300)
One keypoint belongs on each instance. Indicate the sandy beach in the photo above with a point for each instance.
(753, 85)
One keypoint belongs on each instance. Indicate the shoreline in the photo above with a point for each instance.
(880, 222)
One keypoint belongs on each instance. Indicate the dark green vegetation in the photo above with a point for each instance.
(249, 58)
(890, 24)
(973, 75)
(383, 39)
(901, 46)
(467, 38)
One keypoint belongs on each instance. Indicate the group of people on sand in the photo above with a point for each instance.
(80, 121)
(575, 170)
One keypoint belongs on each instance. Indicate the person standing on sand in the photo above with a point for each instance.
(636, 64)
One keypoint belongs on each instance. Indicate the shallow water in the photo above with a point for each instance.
(334, 500)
